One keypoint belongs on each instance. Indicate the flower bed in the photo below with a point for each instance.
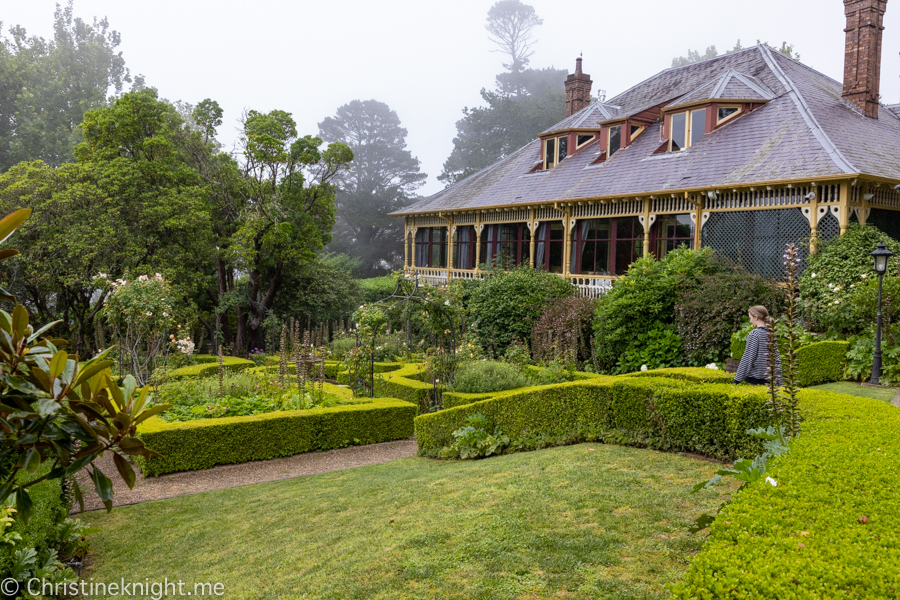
(648, 411)
(829, 529)
(201, 444)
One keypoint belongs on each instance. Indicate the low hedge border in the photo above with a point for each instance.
(207, 369)
(819, 362)
(205, 443)
(332, 369)
(655, 412)
(693, 374)
(343, 376)
(830, 529)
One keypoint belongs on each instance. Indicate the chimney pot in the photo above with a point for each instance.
(862, 53)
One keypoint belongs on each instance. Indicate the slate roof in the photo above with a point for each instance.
(729, 86)
(806, 131)
(587, 117)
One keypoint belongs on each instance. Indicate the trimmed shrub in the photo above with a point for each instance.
(692, 374)
(454, 399)
(208, 369)
(489, 376)
(653, 412)
(377, 288)
(506, 305)
(829, 528)
(401, 383)
(658, 348)
(819, 362)
(193, 445)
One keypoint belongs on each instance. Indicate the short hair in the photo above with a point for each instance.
(759, 312)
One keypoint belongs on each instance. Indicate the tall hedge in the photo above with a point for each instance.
(820, 362)
(49, 510)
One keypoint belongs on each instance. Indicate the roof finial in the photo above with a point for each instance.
(578, 65)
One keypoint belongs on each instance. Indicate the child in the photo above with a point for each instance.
(754, 364)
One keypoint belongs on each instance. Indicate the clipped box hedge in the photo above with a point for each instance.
(655, 412)
(205, 443)
(819, 362)
(332, 369)
(210, 368)
(830, 529)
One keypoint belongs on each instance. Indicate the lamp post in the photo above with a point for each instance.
(881, 256)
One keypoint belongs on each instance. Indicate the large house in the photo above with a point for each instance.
(743, 153)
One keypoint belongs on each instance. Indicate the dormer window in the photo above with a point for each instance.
(555, 150)
(686, 128)
(637, 130)
(615, 140)
(726, 113)
(585, 139)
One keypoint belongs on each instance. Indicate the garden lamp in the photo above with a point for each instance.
(881, 256)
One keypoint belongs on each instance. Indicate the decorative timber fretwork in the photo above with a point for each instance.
(885, 197)
(671, 205)
(609, 209)
(549, 213)
(506, 216)
(761, 198)
(464, 218)
(429, 221)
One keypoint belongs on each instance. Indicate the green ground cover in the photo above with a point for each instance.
(854, 389)
(584, 521)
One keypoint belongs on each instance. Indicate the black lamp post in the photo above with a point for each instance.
(881, 256)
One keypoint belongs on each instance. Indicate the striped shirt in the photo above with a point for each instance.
(754, 363)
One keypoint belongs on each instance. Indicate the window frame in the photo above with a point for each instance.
(688, 126)
(431, 244)
(729, 117)
(521, 244)
(541, 263)
(634, 136)
(555, 140)
(634, 240)
(657, 234)
(609, 130)
(578, 145)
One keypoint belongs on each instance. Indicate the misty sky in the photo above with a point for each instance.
(428, 59)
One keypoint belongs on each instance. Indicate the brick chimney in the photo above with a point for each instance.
(578, 89)
(862, 53)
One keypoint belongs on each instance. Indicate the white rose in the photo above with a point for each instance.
(643, 367)
(813, 275)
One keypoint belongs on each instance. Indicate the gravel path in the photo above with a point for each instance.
(229, 476)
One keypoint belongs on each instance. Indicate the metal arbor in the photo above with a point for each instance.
(443, 340)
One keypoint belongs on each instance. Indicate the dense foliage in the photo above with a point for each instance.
(706, 314)
(563, 332)
(488, 376)
(506, 305)
(644, 298)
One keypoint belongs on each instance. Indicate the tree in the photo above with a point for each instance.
(129, 205)
(489, 133)
(510, 25)
(269, 214)
(711, 52)
(47, 86)
(382, 178)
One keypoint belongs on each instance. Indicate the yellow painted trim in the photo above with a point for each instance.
(689, 105)
(739, 112)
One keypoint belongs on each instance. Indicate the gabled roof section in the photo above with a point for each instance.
(731, 85)
(586, 118)
(894, 108)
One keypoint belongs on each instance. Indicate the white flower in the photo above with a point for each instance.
(771, 482)
(852, 285)
(149, 314)
(446, 303)
(157, 275)
(813, 275)
(837, 288)
(864, 275)
(143, 278)
(830, 286)
(713, 366)
(165, 314)
(837, 301)
(101, 275)
(643, 367)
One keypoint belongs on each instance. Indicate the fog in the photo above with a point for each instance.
(428, 59)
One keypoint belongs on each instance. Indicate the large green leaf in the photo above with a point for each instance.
(12, 221)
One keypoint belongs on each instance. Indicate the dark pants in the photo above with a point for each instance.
(755, 381)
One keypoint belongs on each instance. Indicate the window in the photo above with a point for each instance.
(726, 113)
(555, 150)
(506, 246)
(672, 231)
(685, 131)
(464, 247)
(637, 130)
(548, 251)
(431, 247)
(615, 140)
(409, 250)
(606, 246)
(584, 139)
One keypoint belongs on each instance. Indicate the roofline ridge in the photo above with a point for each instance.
(724, 80)
(472, 176)
(830, 148)
(748, 80)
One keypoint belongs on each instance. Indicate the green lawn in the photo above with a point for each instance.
(585, 521)
(854, 389)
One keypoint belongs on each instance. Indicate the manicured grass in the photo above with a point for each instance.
(854, 389)
(585, 521)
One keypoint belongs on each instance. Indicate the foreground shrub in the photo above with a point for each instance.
(488, 376)
(563, 332)
(840, 263)
(829, 527)
(659, 348)
(643, 298)
(474, 441)
(506, 305)
(707, 313)
(825, 361)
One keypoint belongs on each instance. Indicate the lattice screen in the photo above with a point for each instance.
(829, 226)
(757, 239)
(887, 221)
